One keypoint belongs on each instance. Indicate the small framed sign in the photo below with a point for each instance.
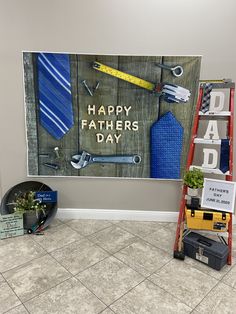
(46, 196)
(219, 195)
(11, 226)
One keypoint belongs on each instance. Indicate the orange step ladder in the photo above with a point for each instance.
(229, 116)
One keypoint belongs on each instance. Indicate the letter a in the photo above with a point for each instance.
(212, 129)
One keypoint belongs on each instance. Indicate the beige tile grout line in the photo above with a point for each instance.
(17, 298)
(207, 294)
(38, 295)
(90, 233)
(108, 305)
(166, 290)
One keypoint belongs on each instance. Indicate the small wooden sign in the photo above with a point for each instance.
(219, 195)
(11, 226)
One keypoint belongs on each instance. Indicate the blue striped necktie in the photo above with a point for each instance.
(54, 93)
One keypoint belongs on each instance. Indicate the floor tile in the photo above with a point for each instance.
(64, 220)
(107, 311)
(162, 224)
(18, 310)
(56, 222)
(1, 279)
(20, 250)
(217, 274)
(78, 256)
(139, 228)
(36, 277)
(55, 238)
(222, 299)
(143, 257)
(183, 281)
(109, 279)
(8, 299)
(70, 297)
(113, 238)
(147, 298)
(172, 226)
(230, 277)
(88, 226)
(163, 238)
(114, 221)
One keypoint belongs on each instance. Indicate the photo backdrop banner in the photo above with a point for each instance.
(109, 115)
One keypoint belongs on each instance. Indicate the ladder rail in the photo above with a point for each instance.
(189, 161)
(194, 129)
(229, 178)
(231, 131)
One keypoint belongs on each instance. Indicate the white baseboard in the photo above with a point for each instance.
(116, 214)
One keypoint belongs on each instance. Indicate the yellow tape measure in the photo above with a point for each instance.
(124, 76)
(216, 81)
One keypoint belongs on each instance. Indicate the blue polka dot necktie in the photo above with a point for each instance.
(54, 93)
(166, 147)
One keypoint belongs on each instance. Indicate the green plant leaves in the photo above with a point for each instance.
(194, 178)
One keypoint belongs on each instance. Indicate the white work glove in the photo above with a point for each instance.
(175, 93)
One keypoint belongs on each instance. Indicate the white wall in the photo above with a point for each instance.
(152, 27)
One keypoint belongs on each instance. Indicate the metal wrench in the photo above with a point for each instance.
(84, 159)
(177, 71)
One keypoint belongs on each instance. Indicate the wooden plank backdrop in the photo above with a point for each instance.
(184, 112)
(30, 111)
(145, 108)
(106, 94)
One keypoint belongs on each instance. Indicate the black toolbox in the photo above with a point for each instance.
(206, 250)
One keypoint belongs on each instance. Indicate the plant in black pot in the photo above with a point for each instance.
(22, 198)
(194, 180)
(31, 208)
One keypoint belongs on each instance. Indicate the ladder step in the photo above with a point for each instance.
(210, 170)
(199, 140)
(216, 113)
(209, 232)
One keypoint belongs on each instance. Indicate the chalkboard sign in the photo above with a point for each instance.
(11, 226)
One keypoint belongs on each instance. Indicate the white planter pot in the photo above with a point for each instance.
(192, 192)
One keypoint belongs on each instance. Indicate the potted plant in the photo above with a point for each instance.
(194, 180)
(29, 207)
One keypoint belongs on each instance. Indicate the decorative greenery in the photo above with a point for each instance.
(26, 202)
(194, 178)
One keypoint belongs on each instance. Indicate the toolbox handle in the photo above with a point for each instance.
(207, 216)
(204, 242)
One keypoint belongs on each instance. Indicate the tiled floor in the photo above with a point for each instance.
(107, 267)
